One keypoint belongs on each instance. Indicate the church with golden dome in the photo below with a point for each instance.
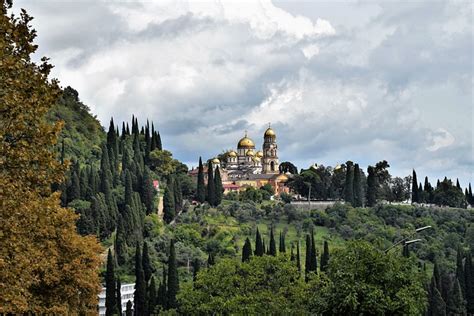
(246, 166)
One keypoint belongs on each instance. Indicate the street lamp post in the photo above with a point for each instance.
(406, 240)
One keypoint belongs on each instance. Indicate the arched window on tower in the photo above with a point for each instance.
(272, 166)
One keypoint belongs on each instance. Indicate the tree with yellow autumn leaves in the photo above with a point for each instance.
(45, 266)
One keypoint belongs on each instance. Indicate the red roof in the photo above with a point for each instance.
(231, 186)
(156, 183)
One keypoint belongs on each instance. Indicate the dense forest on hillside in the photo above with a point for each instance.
(113, 192)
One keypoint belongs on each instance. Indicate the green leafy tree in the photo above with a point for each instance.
(370, 283)
(261, 286)
(46, 267)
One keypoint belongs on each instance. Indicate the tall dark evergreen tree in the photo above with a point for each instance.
(272, 250)
(357, 189)
(139, 299)
(178, 195)
(201, 187)
(173, 282)
(460, 270)
(313, 263)
(162, 295)
(196, 267)
(246, 250)
(349, 183)
(211, 189)
(325, 257)
(120, 244)
(211, 260)
(455, 304)
(219, 190)
(298, 256)
(129, 310)
(159, 145)
(414, 188)
(110, 298)
(259, 250)
(146, 263)
(282, 243)
(168, 204)
(128, 188)
(469, 283)
(371, 186)
(307, 265)
(151, 296)
(471, 198)
(119, 296)
(292, 253)
(147, 192)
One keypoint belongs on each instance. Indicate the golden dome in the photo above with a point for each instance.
(246, 143)
(250, 153)
(259, 154)
(256, 159)
(215, 160)
(269, 132)
(232, 153)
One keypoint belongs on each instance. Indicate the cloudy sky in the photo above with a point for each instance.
(352, 80)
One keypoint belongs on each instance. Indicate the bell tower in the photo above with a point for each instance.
(270, 152)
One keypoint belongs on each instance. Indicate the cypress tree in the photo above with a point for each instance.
(151, 295)
(211, 189)
(119, 296)
(173, 282)
(105, 172)
(120, 245)
(298, 256)
(110, 298)
(259, 250)
(414, 188)
(62, 152)
(210, 260)
(421, 197)
(161, 299)
(147, 192)
(292, 253)
(471, 199)
(128, 129)
(272, 251)
(456, 304)
(196, 268)
(282, 243)
(265, 250)
(325, 257)
(460, 270)
(129, 311)
(124, 131)
(178, 195)
(201, 188)
(168, 205)
(75, 189)
(437, 276)
(357, 189)
(246, 250)
(158, 141)
(219, 190)
(313, 263)
(307, 265)
(146, 263)
(469, 283)
(139, 303)
(458, 186)
(371, 186)
(128, 188)
(84, 186)
(349, 183)
(437, 307)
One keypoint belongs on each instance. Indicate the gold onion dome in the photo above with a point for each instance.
(232, 154)
(270, 132)
(259, 154)
(246, 143)
(256, 159)
(215, 160)
(250, 153)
